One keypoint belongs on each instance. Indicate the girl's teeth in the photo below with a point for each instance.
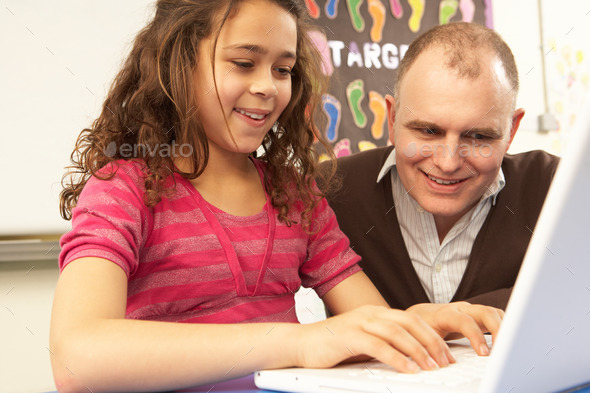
(254, 116)
(443, 182)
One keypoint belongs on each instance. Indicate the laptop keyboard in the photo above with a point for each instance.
(468, 367)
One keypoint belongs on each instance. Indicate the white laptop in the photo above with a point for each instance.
(544, 342)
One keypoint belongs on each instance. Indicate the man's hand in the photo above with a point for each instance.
(455, 320)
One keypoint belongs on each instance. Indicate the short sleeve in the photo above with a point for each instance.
(330, 258)
(110, 220)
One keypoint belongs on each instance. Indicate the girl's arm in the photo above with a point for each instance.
(449, 320)
(352, 292)
(93, 348)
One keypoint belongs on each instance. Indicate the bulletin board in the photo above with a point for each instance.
(362, 42)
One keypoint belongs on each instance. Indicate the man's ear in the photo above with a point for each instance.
(516, 118)
(390, 101)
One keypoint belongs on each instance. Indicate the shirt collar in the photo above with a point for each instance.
(389, 163)
(491, 191)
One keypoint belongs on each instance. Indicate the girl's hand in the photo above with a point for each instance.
(390, 336)
(458, 319)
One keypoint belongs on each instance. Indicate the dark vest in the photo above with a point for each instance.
(366, 214)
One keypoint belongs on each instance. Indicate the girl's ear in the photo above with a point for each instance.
(390, 101)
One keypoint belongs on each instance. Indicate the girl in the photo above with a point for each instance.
(175, 220)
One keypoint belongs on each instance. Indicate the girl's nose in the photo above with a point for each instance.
(264, 85)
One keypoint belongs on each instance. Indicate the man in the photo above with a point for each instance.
(445, 214)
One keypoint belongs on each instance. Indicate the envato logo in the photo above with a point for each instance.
(164, 150)
(463, 150)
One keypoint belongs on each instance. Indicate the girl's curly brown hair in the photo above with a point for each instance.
(151, 104)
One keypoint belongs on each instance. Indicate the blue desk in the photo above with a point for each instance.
(246, 385)
(239, 385)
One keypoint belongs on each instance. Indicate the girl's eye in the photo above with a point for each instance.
(284, 71)
(243, 64)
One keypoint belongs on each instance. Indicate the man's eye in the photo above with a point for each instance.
(429, 131)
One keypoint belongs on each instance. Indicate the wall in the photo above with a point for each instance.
(565, 52)
(26, 292)
(26, 287)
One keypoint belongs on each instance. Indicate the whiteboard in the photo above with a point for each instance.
(58, 59)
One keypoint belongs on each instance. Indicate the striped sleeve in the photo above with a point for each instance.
(330, 258)
(109, 221)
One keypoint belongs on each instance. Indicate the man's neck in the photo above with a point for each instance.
(443, 227)
(444, 224)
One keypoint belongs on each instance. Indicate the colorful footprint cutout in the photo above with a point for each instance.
(355, 93)
(366, 145)
(396, 8)
(312, 8)
(378, 13)
(354, 9)
(342, 148)
(579, 56)
(415, 20)
(446, 10)
(332, 109)
(321, 43)
(331, 9)
(379, 109)
(467, 10)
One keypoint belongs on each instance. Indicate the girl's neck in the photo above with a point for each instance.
(220, 165)
(231, 183)
(228, 164)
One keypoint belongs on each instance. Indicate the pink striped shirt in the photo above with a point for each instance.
(188, 261)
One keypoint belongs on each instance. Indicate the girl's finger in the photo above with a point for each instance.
(413, 337)
(383, 351)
